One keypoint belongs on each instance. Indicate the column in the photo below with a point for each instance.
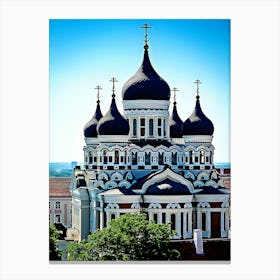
(160, 216)
(208, 224)
(185, 225)
(189, 232)
(101, 215)
(223, 234)
(178, 224)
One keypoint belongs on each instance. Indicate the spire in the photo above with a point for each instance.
(146, 26)
(175, 90)
(113, 80)
(197, 82)
(175, 121)
(98, 88)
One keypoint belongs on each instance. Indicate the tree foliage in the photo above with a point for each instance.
(130, 237)
(54, 253)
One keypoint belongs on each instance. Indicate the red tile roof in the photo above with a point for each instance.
(59, 187)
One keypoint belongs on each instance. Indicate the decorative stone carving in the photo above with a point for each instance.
(125, 184)
(110, 184)
(112, 206)
(103, 176)
(198, 183)
(155, 206)
(203, 205)
(117, 176)
(203, 176)
(211, 183)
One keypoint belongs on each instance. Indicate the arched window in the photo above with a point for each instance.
(151, 127)
(148, 158)
(155, 218)
(173, 221)
(90, 157)
(203, 221)
(174, 158)
(142, 127)
(113, 216)
(191, 157)
(134, 130)
(160, 158)
(134, 158)
(117, 157)
(105, 157)
(201, 157)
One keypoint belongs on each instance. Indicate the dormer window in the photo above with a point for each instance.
(134, 130)
(142, 127)
(151, 127)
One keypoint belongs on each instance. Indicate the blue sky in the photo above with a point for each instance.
(87, 53)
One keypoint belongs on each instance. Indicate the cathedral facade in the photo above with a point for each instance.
(149, 161)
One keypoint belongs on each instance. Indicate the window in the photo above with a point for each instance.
(160, 158)
(195, 159)
(155, 218)
(142, 127)
(49, 205)
(201, 156)
(90, 157)
(134, 124)
(113, 216)
(105, 158)
(148, 158)
(159, 127)
(203, 221)
(191, 157)
(174, 158)
(57, 205)
(116, 157)
(57, 218)
(164, 127)
(134, 158)
(151, 127)
(173, 221)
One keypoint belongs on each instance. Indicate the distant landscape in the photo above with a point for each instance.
(64, 169)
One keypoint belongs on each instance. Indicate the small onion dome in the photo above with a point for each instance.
(113, 123)
(176, 124)
(146, 83)
(90, 127)
(198, 123)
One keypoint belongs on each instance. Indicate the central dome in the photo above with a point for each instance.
(146, 83)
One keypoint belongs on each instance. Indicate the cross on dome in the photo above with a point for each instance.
(146, 26)
(175, 90)
(113, 80)
(98, 88)
(197, 82)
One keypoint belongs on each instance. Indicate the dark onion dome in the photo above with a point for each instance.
(90, 127)
(113, 123)
(198, 123)
(175, 123)
(146, 83)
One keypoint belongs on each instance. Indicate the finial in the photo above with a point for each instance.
(197, 82)
(113, 80)
(98, 87)
(146, 26)
(174, 90)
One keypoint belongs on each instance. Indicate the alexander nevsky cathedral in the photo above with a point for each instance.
(147, 160)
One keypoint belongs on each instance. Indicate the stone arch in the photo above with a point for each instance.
(173, 206)
(117, 176)
(110, 184)
(198, 183)
(135, 205)
(203, 176)
(112, 206)
(211, 183)
(103, 176)
(189, 175)
(128, 176)
(155, 206)
(125, 184)
(214, 175)
(188, 205)
(203, 205)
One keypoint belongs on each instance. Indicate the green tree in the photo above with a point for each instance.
(54, 253)
(130, 237)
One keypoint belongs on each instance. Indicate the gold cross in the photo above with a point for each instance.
(174, 90)
(146, 26)
(114, 80)
(197, 82)
(98, 88)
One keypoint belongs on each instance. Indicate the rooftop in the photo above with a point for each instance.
(59, 187)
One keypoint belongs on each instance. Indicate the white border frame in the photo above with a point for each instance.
(255, 119)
